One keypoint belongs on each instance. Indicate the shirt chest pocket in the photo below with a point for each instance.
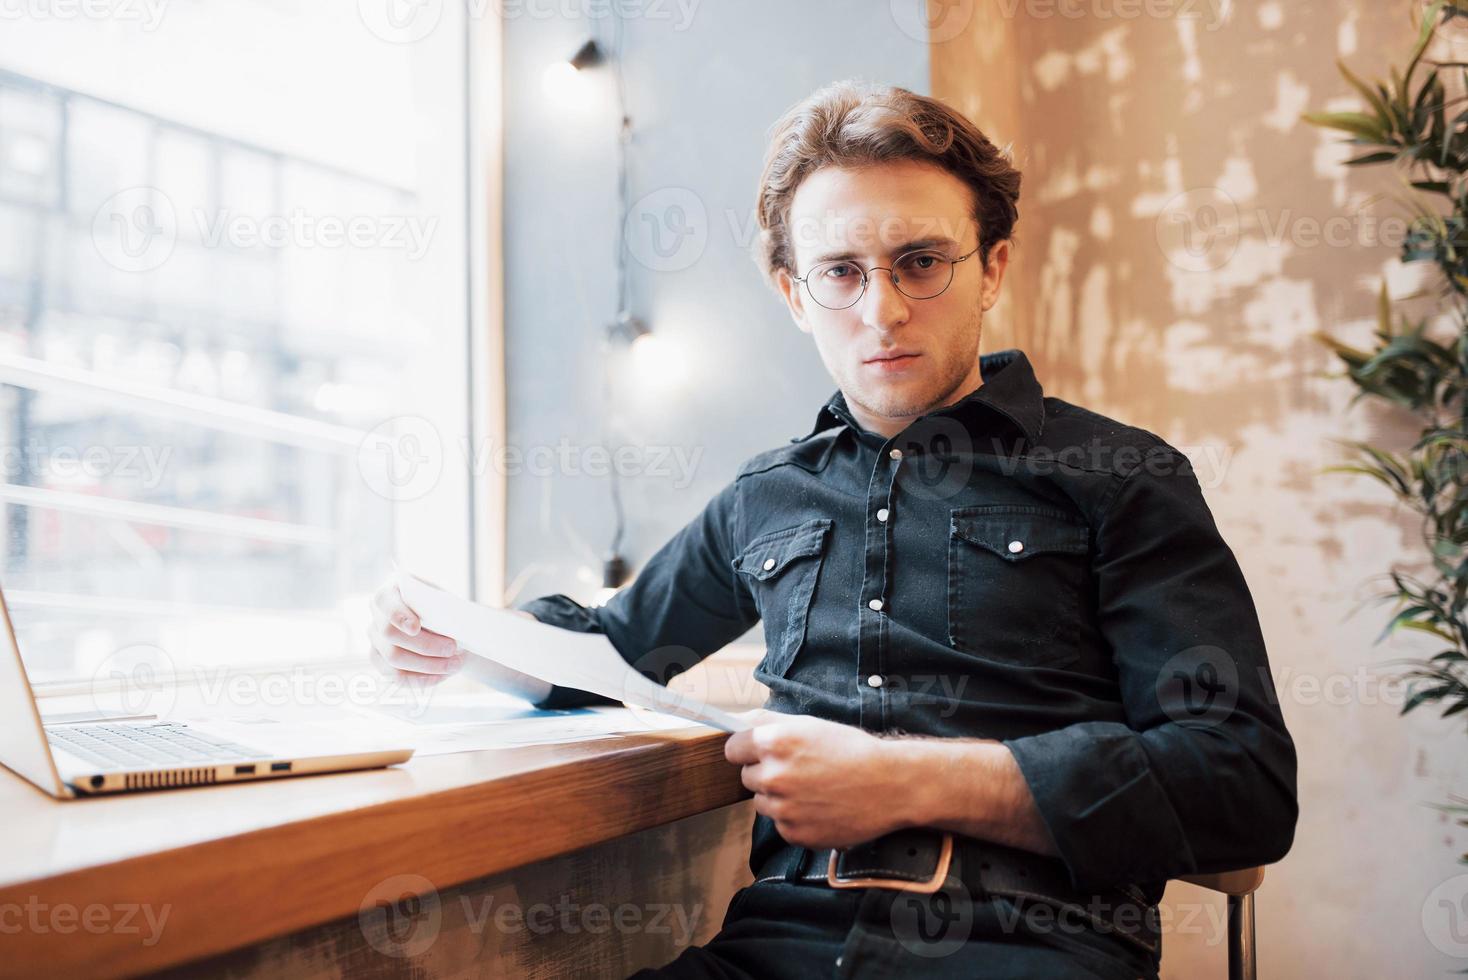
(781, 568)
(1016, 575)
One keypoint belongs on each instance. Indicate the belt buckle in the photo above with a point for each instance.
(940, 874)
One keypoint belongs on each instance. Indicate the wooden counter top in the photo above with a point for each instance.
(120, 885)
(127, 884)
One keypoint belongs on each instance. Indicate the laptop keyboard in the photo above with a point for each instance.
(167, 743)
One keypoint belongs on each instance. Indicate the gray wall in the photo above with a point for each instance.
(703, 94)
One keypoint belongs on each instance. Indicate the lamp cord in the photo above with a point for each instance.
(624, 140)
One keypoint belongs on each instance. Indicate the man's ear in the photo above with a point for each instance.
(794, 299)
(994, 273)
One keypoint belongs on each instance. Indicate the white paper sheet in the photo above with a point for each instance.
(360, 726)
(552, 727)
(585, 661)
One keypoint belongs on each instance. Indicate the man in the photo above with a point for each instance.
(1016, 678)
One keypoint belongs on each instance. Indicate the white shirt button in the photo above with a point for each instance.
(770, 562)
(895, 454)
(882, 515)
(875, 605)
(874, 680)
(1015, 547)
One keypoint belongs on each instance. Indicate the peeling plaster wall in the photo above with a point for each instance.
(1181, 235)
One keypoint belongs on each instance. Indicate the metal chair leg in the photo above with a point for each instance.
(1241, 965)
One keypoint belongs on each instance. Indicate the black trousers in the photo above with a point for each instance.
(781, 929)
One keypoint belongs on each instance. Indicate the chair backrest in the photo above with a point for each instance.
(1245, 881)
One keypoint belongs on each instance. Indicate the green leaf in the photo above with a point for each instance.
(1356, 123)
(1434, 186)
(1388, 463)
(1381, 156)
(1440, 129)
(1411, 612)
(1424, 35)
(1422, 108)
(1456, 439)
(1365, 471)
(1422, 697)
(1376, 101)
(1352, 356)
(1428, 627)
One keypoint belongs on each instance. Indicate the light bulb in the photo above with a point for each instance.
(564, 85)
(655, 361)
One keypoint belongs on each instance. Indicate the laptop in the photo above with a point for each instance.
(96, 757)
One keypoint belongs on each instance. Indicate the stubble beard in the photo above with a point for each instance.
(888, 403)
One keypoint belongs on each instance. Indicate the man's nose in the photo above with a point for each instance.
(883, 308)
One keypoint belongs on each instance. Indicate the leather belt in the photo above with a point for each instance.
(924, 860)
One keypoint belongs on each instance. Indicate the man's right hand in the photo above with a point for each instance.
(401, 646)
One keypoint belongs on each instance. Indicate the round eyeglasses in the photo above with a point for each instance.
(839, 284)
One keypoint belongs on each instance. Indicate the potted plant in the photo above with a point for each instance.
(1421, 366)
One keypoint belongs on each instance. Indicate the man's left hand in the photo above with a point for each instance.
(824, 784)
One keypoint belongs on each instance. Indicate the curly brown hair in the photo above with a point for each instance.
(854, 124)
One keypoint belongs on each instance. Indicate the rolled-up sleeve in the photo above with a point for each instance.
(686, 603)
(1201, 776)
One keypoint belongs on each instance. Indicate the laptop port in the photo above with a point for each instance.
(280, 767)
(97, 782)
(245, 770)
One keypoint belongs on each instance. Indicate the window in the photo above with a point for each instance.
(233, 296)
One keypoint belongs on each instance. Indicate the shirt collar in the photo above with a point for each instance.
(1010, 392)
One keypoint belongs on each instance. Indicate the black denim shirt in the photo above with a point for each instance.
(1012, 567)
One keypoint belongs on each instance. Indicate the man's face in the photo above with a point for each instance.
(892, 356)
